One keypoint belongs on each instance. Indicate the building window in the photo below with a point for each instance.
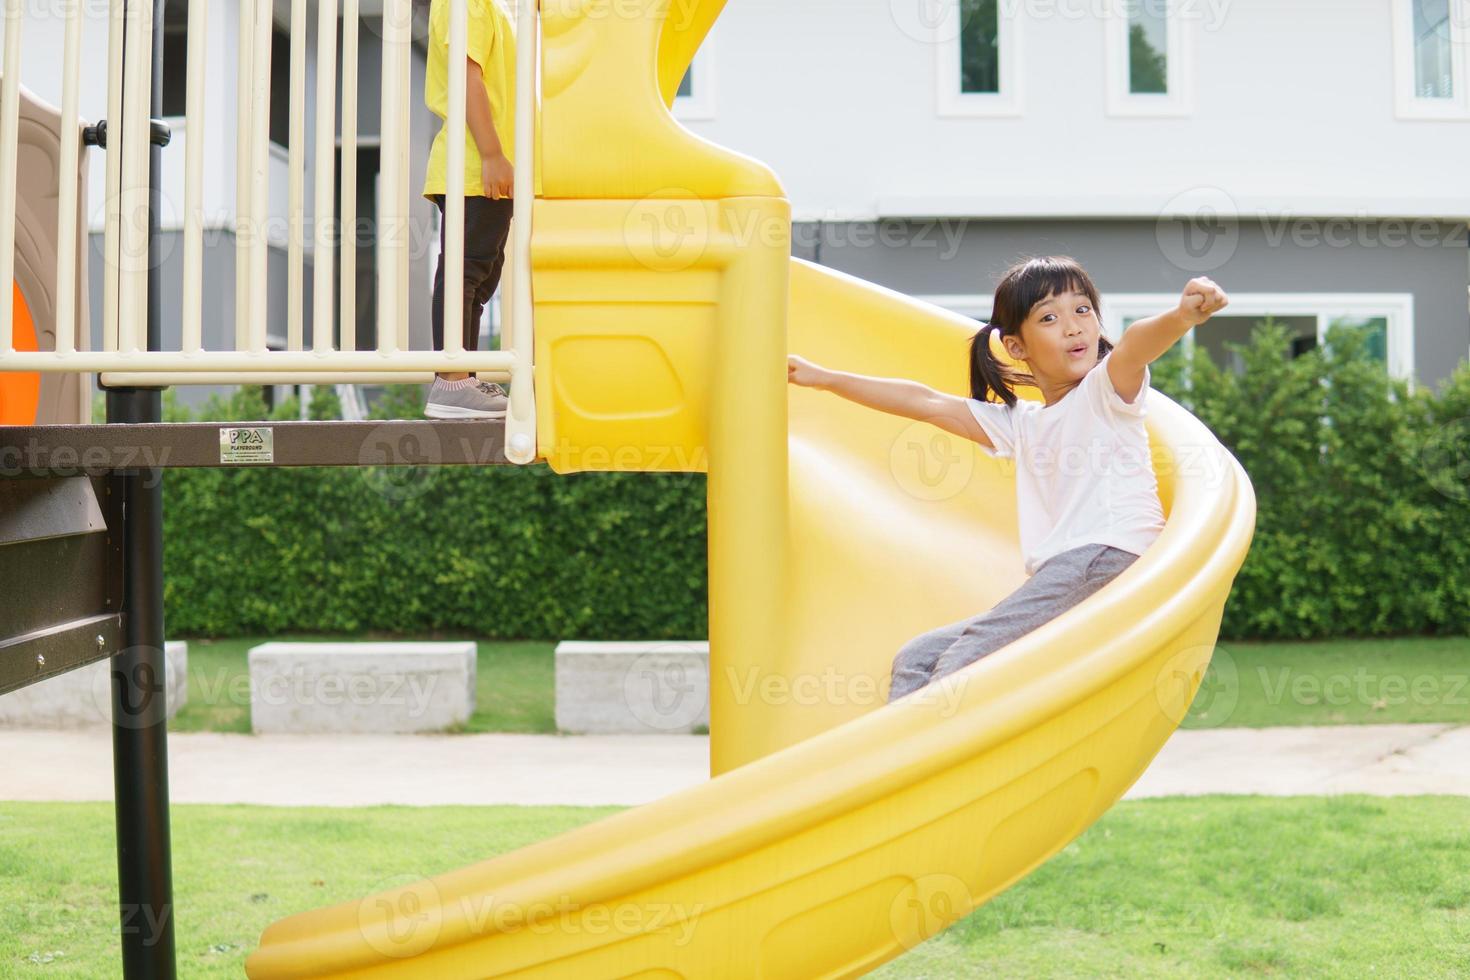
(979, 46)
(695, 98)
(976, 42)
(1148, 54)
(280, 105)
(1148, 48)
(1386, 319)
(175, 56)
(1430, 38)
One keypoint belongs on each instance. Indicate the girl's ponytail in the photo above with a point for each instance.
(988, 376)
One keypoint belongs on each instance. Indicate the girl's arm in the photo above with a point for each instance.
(896, 396)
(1146, 340)
(495, 170)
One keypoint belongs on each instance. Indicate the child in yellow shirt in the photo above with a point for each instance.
(489, 149)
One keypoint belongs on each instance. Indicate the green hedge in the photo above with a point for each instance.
(497, 551)
(1362, 488)
(1363, 525)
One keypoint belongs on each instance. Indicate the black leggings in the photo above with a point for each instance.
(486, 227)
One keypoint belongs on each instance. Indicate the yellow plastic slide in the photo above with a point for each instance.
(836, 831)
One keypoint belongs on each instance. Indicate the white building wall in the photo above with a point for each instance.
(1293, 111)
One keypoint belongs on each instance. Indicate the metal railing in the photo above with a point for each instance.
(125, 358)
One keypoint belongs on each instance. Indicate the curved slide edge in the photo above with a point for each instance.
(827, 857)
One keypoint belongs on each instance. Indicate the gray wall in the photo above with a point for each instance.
(957, 255)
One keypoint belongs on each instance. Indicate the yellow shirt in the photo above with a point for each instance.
(491, 43)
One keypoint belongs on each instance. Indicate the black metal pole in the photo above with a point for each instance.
(139, 718)
(139, 715)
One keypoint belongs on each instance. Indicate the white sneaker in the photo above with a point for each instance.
(480, 400)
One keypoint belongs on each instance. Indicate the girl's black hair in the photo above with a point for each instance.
(1026, 283)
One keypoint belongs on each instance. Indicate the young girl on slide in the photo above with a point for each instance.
(1087, 496)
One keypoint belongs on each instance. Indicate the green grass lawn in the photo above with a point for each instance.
(1249, 685)
(1211, 886)
(1335, 682)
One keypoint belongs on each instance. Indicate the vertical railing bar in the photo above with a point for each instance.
(192, 314)
(112, 191)
(521, 444)
(322, 203)
(454, 155)
(9, 134)
(388, 203)
(405, 85)
(259, 119)
(296, 182)
(244, 138)
(136, 143)
(66, 180)
(347, 310)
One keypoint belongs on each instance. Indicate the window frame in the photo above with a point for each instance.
(1179, 41)
(1396, 308)
(700, 105)
(1407, 104)
(950, 101)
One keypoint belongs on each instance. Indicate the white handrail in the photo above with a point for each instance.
(347, 307)
(391, 210)
(112, 190)
(296, 182)
(9, 134)
(260, 132)
(244, 90)
(454, 138)
(326, 155)
(136, 139)
(66, 180)
(520, 423)
(124, 357)
(192, 313)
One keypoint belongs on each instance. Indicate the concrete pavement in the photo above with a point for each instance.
(584, 770)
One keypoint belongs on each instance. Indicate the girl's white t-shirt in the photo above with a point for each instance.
(1084, 474)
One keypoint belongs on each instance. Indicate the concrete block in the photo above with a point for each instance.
(335, 687)
(643, 687)
(82, 698)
